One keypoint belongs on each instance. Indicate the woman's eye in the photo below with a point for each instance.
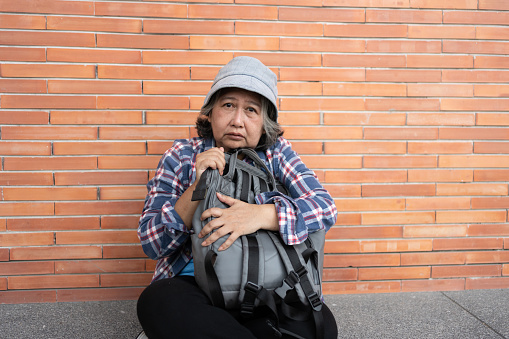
(251, 109)
(228, 105)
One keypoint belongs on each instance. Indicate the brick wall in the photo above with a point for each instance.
(400, 107)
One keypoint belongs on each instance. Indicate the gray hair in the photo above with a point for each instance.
(271, 127)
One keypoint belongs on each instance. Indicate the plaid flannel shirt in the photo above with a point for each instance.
(165, 238)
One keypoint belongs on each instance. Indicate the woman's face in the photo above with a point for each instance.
(236, 119)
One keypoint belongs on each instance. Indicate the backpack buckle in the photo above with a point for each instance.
(247, 306)
(288, 284)
(315, 301)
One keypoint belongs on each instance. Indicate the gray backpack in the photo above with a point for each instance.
(258, 269)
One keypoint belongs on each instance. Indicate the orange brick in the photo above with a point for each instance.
(279, 28)
(24, 208)
(452, 4)
(140, 9)
(26, 239)
(440, 175)
(491, 175)
(286, 59)
(52, 224)
(24, 297)
(322, 104)
(394, 273)
(411, 75)
(442, 32)
(96, 237)
(22, 86)
(322, 133)
(367, 89)
(26, 179)
(322, 45)
(403, 133)
(93, 55)
(400, 104)
(144, 133)
(384, 246)
(398, 218)
(362, 260)
(94, 86)
(486, 283)
(233, 12)
(3, 228)
(48, 132)
(99, 294)
(188, 26)
(117, 222)
(143, 72)
(204, 73)
(473, 133)
(468, 244)
(141, 41)
(409, 161)
(25, 148)
(186, 57)
(170, 118)
(441, 119)
(403, 46)
(321, 74)
(127, 162)
(470, 216)
(370, 176)
(440, 90)
(407, 16)
(120, 251)
(48, 70)
(467, 271)
(48, 6)
(472, 189)
(52, 281)
(355, 118)
(405, 190)
(491, 91)
(299, 118)
(486, 33)
(55, 252)
(493, 4)
(22, 54)
(23, 118)
(477, 47)
(100, 147)
(491, 62)
(368, 3)
(43, 38)
(126, 279)
(366, 30)
(440, 61)
(233, 43)
(22, 21)
(360, 60)
(307, 147)
(361, 287)
(95, 24)
(477, 230)
(475, 76)
(321, 14)
(433, 258)
(433, 285)
(4, 254)
(141, 102)
(473, 161)
(362, 232)
(21, 268)
(101, 178)
(435, 231)
(176, 87)
(487, 257)
(427, 147)
(490, 202)
(505, 270)
(385, 204)
(365, 147)
(279, 2)
(96, 117)
(475, 17)
(49, 193)
(339, 274)
(49, 163)
(47, 101)
(98, 207)
(320, 161)
(99, 266)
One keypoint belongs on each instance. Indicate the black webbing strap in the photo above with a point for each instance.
(252, 288)
(201, 187)
(246, 185)
(216, 295)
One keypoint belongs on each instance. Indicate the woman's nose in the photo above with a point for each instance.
(237, 117)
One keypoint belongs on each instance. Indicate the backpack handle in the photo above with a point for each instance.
(251, 154)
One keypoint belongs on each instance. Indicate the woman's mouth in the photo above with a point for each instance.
(235, 136)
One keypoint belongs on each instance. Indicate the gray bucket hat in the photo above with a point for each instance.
(247, 73)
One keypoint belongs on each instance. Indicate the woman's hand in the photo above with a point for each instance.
(212, 158)
(240, 219)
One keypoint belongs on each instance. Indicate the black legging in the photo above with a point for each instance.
(177, 308)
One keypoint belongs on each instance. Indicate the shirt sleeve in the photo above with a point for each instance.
(161, 230)
(308, 207)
